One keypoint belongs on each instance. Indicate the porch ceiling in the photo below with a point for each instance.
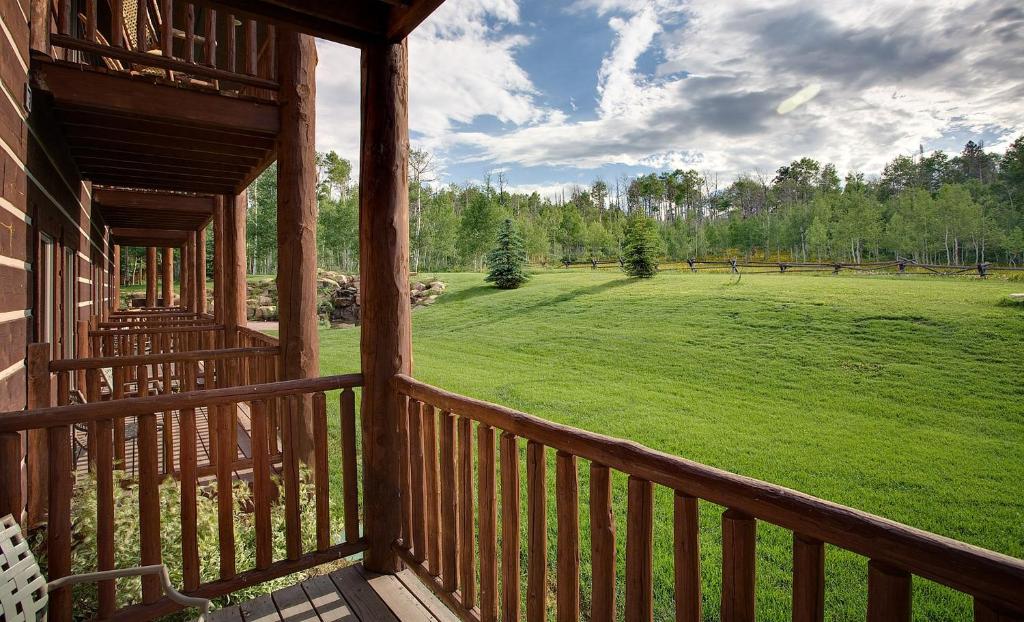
(131, 132)
(356, 22)
(124, 209)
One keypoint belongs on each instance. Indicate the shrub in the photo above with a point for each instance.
(127, 541)
(643, 246)
(508, 259)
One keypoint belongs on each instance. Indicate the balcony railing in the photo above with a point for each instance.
(438, 516)
(176, 40)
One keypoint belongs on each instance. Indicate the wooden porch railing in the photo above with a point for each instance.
(439, 516)
(285, 398)
(167, 37)
(132, 339)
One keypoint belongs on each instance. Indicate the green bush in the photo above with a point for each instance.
(127, 541)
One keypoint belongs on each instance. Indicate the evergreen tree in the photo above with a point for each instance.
(643, 245)
(508, 259)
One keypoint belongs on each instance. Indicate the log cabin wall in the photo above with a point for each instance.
(55, 259)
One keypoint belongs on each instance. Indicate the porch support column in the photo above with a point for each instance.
(296, 221)
(200, 281)
(151, 276)
(233, 267)
(386, 345)
(115, 280)
(168, 277)
(218, 258)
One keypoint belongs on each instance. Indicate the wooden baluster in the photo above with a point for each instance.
(888, 593)
(320, 472)
(250, 47)
(105, 512)
(261, 485)
(984, 612)
(349, 476)
(117, 393)
(227, 452)
(808, 579)
(90, 20)
(92, 395)
(686, 530)
(567, 584)
(64, 17)
(58, 529)
(432, 486)
(63, 388)
(639, 551)
(602, 544)
(149, 496)
(168, 419)
(449, 506)
(418, 485)
(190, 33)
(739, 536)
(271, 52)
(142, 16)
(488, 525)
(189, 483)
(467, 562)
(11, 454)
(405, 474)
(537, 536)
(510, 527)
(292, 409)
(116, 29)
(210, 45)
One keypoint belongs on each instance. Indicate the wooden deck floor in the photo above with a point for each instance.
(348, 595)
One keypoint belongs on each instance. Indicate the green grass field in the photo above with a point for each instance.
(901, 397)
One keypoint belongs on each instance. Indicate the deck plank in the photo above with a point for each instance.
(260, 609)
(294, 606)
(228, 614)
(412, 584)
(401, 602)
(365, 603)
(329, 604)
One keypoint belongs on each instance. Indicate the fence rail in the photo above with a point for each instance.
(438, 528)
(897, 266)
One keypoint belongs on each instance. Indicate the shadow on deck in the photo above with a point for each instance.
(351, 594)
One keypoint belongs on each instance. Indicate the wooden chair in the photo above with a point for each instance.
(24, 592)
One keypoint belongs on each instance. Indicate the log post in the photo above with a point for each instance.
(296, 223)
(115, 280)
(200, 281)
(218, 259)
(151, 276)
(39, 29)
(168, 277)
(233, 267)
(39, 396)
(384, 263)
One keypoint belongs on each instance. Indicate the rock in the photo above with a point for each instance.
(325, 283)
(429, 300)
(419, 287)
(267, 313)
(264, 301)
(1017, 297)
(342, 280)
(437, 286)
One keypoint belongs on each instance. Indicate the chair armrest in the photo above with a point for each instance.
(202, 604)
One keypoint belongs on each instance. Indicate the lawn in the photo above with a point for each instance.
(899, 396)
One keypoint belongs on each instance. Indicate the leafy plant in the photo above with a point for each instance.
(127, 539)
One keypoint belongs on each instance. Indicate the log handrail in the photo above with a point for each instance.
(54, 416)
(59, 365)
(994, 579)
(131, 329)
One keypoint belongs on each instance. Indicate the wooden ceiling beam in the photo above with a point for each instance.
(157, 128)
(112, 147)
(124, 198)
(74, 88)
(163, 237)
(152, 183)
(114, 137)
(356, 23)
(103, 156)
(404, 19)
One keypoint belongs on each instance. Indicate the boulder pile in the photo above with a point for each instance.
(337, 298)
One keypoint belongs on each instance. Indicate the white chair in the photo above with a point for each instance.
(24, 592)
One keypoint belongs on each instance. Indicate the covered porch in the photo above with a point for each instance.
(395, 499)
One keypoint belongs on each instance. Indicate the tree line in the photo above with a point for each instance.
(930, 208)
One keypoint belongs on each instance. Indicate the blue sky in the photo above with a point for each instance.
(553, 94)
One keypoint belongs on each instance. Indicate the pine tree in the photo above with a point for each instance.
(508, 259)
(643, 245)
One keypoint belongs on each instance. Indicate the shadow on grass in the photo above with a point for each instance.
(498, 315)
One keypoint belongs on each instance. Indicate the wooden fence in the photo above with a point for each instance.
(735, 266)
(439, 516)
